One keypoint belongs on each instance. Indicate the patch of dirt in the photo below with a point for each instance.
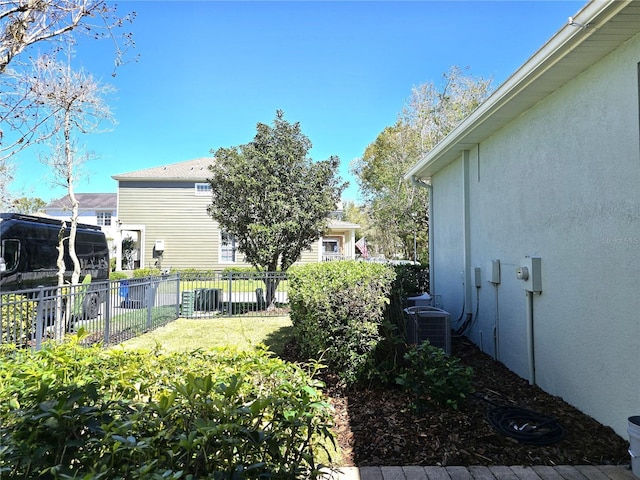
(377, 427)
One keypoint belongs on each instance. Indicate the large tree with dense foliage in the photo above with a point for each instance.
(272, 197)
(399, 209)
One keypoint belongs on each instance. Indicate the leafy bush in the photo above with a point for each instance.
(340, 311)
(387, 361)
(337, 309)
(81, 412)
(239, 269)
(147, 272)
(118, 276)
(433, 377)
(195, 274)
(17, 315)
(409, 281)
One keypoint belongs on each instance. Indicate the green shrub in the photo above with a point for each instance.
(147, 272)
(17, 315)
(118, 276)
(410, 280)
(386, 362)
(337, 309)
(195, 274)
(82, 412)
(433, 377)
(340, 312)
(239, 269)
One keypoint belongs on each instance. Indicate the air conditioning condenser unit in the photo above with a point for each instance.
(428, 323)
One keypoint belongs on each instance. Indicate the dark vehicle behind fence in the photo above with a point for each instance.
(29, 254)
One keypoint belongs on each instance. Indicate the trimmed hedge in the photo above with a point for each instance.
(337, 309)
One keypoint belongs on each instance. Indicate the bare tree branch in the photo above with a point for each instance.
(50, 25)
(24, 23)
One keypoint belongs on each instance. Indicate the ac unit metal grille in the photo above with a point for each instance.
(428, 323)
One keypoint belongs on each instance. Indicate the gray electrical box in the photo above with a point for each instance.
(476, 277)
(493, 275)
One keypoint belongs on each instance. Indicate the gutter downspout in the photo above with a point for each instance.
(427, 184)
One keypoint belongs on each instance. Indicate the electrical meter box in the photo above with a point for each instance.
(530, 272)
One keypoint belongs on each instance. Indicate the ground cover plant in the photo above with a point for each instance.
(83, 412)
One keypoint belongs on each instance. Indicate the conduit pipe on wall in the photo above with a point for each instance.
(496, 328)
(530, 341)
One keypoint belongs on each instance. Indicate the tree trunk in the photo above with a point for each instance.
(271, 283)
(59, 318)
(70, 162)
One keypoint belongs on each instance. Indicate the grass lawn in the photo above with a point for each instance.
(242, 332)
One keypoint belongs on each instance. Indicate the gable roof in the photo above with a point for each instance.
(192, 170)
(595, 31)
(88, 201)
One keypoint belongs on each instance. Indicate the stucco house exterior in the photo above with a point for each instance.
(95, 209)
(164, 210)
(545, 174)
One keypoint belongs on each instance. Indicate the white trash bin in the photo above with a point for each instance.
(634, 444)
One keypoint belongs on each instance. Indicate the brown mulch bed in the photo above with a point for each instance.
(377, 427)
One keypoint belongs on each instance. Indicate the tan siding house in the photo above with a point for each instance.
(164, 210)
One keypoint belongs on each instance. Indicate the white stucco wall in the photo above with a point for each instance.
(562, 182)
(447, 209)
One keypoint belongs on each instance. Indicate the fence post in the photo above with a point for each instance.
(178, 295)
(149, 302)
(230, 295)
(40, 318)
(107, 310)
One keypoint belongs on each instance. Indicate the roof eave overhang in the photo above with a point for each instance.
(571, 51)
(158, 179)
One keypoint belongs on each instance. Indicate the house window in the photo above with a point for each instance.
(203, 189)
(330, 246)
(104, 218)
(331, 249)
(227, 247)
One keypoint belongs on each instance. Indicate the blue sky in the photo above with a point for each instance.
(208, 71)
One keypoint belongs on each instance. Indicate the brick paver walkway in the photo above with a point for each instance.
(562, 472)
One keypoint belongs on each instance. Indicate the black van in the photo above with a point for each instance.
(28, 253)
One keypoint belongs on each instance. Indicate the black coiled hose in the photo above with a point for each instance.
(525, 426)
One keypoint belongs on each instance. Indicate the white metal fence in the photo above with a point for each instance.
(114, 311)
(109, 312)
